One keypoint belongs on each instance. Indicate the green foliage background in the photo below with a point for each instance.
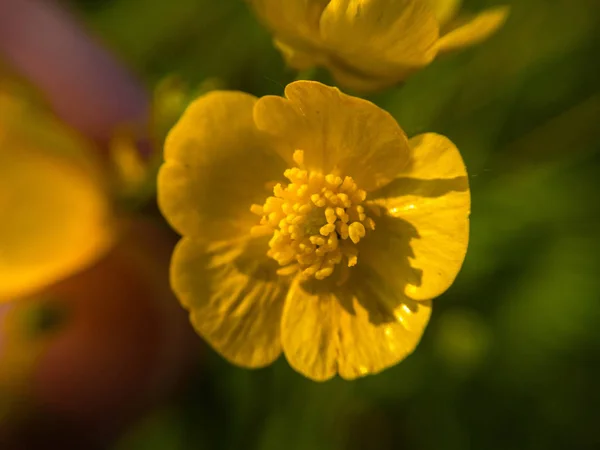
(511, 358)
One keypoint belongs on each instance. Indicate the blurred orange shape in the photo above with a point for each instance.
(55, 212)
(105, 344)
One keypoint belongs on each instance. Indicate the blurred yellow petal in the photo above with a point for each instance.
(297, 57)
(351, 334)
(357, 82)
(444, 10)
(476, 30)
(376, 35)
(427, 221)
(234, 297)
(338, 133)
(369, 45)
(298, 18)
(57, 218)
(350, 78)
(216, 166)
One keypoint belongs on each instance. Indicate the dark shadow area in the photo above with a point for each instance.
(378, 285)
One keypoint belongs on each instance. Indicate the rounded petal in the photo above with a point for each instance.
(216, 166)
(234, 297)
(56, 218)
(422, 238)
(350, 334)
(476, 30)
(338, 133)
(377, 35)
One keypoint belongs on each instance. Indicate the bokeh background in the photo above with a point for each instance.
(511, 358)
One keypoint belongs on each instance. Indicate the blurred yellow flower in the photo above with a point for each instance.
(56, 211)
(311, 224)
(372, 44)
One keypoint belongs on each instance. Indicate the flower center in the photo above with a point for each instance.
(316, 221)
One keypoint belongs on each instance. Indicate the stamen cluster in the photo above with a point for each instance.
(315, 220)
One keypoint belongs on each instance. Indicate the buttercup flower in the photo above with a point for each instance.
(372, 44)
(311, 225)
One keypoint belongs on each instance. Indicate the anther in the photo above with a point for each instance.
(315, 221)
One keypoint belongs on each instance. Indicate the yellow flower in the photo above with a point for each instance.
(311, 224)
(57, 216)
(372, 44)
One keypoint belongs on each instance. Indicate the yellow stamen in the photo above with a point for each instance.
(315, 221)
(298, 158)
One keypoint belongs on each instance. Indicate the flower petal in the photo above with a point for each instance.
(346, 76)
(350, 334)
(57, 218)
(216, 166)
(376, 35)
(337, 132)
(234, 297)
(476, 30)
(297, 56)
(433, 156)
(444, 10)
(427, 221)
(291, 19)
